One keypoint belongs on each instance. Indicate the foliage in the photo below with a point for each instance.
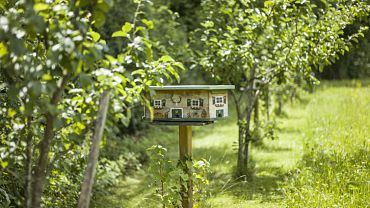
(170, 179)
(201, 171)
(334, 168)
(4, 199)
(355, 63)
(166, 34)
(54, 67)
(257, 45)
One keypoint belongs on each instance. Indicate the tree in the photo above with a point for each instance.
(54, 68)
(258, 44)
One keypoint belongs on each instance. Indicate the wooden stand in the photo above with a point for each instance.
(185, 149)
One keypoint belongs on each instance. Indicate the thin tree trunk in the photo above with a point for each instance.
(246, 152)
(28, 165)
(253, 96)
(90, 171)
(267, 104)
(280, 106)
(247, 139)
(240, 162)
(256, 112)
(39, 177)
(40, 172)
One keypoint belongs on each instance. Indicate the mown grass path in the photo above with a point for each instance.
(273, 161)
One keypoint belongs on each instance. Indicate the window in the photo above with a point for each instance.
(219, 101)
(157, 103)
(219, 113)
(195, 103)
(176, 112)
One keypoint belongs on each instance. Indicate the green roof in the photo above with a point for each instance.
(193, 87)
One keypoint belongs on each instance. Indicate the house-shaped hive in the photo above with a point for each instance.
(189, 103)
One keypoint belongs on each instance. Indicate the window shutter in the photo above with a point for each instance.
(151, 102)
(189, 102)
(200, 102)
(164, 103)
(213, 100)
(224, 99)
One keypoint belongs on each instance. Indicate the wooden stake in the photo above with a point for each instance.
(90, 170)
(185, 149)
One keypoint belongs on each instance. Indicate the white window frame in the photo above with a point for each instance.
(192, 103)
(217, 99)
(182, 112)
(156, 104)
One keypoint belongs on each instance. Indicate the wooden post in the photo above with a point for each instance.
(90, 170)
(185, 149)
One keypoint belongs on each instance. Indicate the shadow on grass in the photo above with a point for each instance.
(271, 148)
(262, 185)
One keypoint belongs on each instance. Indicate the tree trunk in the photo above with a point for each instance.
(240, 162)
(40, 172)
(280, 107)
(90, 171)
(247, 138)
(39, 177)
(252, 97)
(256, 117)
(246, 152)
(267, 104)
(28, 165)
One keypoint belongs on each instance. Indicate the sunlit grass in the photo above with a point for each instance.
(332, 126)
(335, 170)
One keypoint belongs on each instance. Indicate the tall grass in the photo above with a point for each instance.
(335, 168)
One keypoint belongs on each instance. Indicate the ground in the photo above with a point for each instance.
(274, 160)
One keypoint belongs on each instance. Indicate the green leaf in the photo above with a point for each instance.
(41, 6)
(82, 3)
(166, 58)
(11, 113)
(179, 65)
(138, 72)
(127, 27)
(148, 23)
(3, 50)
(99, 18)
(95, 36)
(110, 58)
(47, 77)
(119, 34)
(102, 6)
(269, 4)
(121, 58)
(207, 24)
(4, 164)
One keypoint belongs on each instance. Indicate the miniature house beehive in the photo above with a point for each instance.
(189, 103)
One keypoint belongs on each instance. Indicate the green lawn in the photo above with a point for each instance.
(333, 124)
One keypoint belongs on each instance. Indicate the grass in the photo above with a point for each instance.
(335, 169)
(321, 157)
